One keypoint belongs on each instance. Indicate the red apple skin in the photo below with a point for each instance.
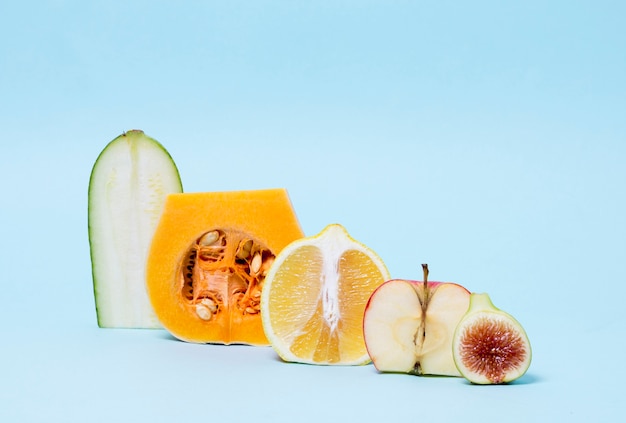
(418, 284)
(393, 316)
(431, 284)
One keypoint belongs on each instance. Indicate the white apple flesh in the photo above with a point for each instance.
(408, 326)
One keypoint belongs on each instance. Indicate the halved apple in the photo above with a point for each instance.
(408, 325)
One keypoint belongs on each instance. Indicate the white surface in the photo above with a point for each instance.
(486, 140)
(124, 375)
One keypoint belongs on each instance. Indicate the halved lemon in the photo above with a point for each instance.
(314, 297)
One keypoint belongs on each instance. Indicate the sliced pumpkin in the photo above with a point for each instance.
(208, 260)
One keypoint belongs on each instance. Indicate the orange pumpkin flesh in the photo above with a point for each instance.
(208, 260)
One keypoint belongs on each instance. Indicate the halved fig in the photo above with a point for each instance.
(489, 345)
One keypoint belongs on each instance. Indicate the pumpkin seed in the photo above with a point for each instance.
(223, 272)
(203, 312)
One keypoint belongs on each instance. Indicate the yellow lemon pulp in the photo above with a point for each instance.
(314, 297)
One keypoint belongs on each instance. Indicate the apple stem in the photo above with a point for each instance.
(425, 269)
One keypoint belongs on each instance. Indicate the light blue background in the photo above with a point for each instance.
(485, 138)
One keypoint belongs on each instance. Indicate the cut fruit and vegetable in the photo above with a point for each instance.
(489, 345)
(408, 325)
(314, 297)
(127, 188)
(209, 260)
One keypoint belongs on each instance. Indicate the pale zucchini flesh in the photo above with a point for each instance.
(127, 189)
